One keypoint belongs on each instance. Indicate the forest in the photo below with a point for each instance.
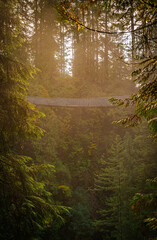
(78, 173)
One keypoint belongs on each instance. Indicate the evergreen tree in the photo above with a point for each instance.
(111, 185)
(25, 202)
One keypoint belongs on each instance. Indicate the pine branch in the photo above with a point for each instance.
(64, 14)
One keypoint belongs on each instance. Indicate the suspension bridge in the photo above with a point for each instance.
(73, 102)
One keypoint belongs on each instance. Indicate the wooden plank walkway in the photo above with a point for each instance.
(73, 102)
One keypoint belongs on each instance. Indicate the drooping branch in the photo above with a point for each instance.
(67, 15)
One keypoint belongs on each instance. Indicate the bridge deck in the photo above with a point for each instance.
(73, 102)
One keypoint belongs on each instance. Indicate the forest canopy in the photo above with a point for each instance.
(69, 173)
(142, 33)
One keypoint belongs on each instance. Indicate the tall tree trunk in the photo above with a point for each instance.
(106, 45)
(105, 67)
(36, 30)
(132, 33)
(41, 28)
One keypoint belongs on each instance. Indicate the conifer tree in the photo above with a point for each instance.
(111, 185)
(24, 201)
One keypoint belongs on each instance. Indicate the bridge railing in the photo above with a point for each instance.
(73, 102)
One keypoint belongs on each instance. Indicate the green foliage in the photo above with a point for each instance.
(80, 149)
(80, 222)
(120, 178)
(111, 185)
(144, 101)
(145, 205)
(25, 201)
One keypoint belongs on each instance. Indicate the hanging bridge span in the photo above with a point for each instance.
(74, 102)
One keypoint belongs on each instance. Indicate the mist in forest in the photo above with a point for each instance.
(80, 63)
(69, 173)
